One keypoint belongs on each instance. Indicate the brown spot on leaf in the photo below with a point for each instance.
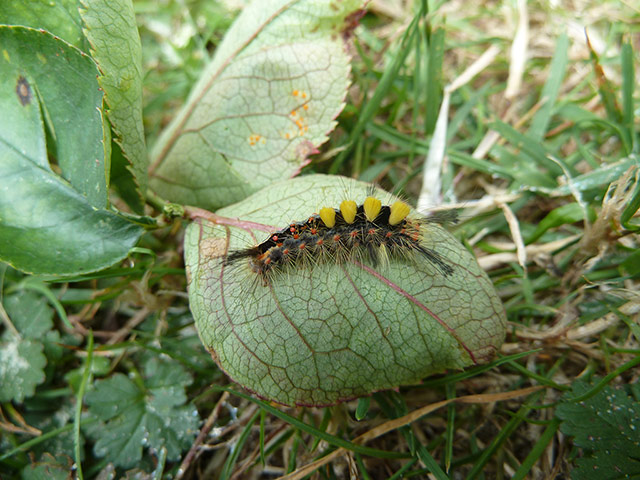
(23, 90)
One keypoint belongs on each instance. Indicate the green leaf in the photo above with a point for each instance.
(62, 81)
(49, 468)
(261, 107)
(21, 367)
(52, 223)
(30, 314)
(363, 407)
(133, 416)
(335, 331)
(110, 27)
(21, 358)
(60, 18)
(607, 428)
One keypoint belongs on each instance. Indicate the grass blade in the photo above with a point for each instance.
(549, 94)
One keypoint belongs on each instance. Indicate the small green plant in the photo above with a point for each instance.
(605, 424)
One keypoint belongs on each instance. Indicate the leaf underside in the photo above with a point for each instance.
(321, 334)
(266, 101)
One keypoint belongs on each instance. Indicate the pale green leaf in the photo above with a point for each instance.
(110, 27)
(322, 333)
(262, 106)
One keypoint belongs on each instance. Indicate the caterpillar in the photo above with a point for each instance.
(371, 232)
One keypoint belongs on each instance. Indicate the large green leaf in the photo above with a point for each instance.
(115, 45)
(63, 83)
(328, 332)
(264, 103)
(49, 222)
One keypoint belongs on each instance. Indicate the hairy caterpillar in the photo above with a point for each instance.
(370, 232)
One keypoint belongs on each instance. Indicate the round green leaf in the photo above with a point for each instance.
(51, 223)
(320, 334)
(265, 102)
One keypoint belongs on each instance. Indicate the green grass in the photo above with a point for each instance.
(561, 155)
